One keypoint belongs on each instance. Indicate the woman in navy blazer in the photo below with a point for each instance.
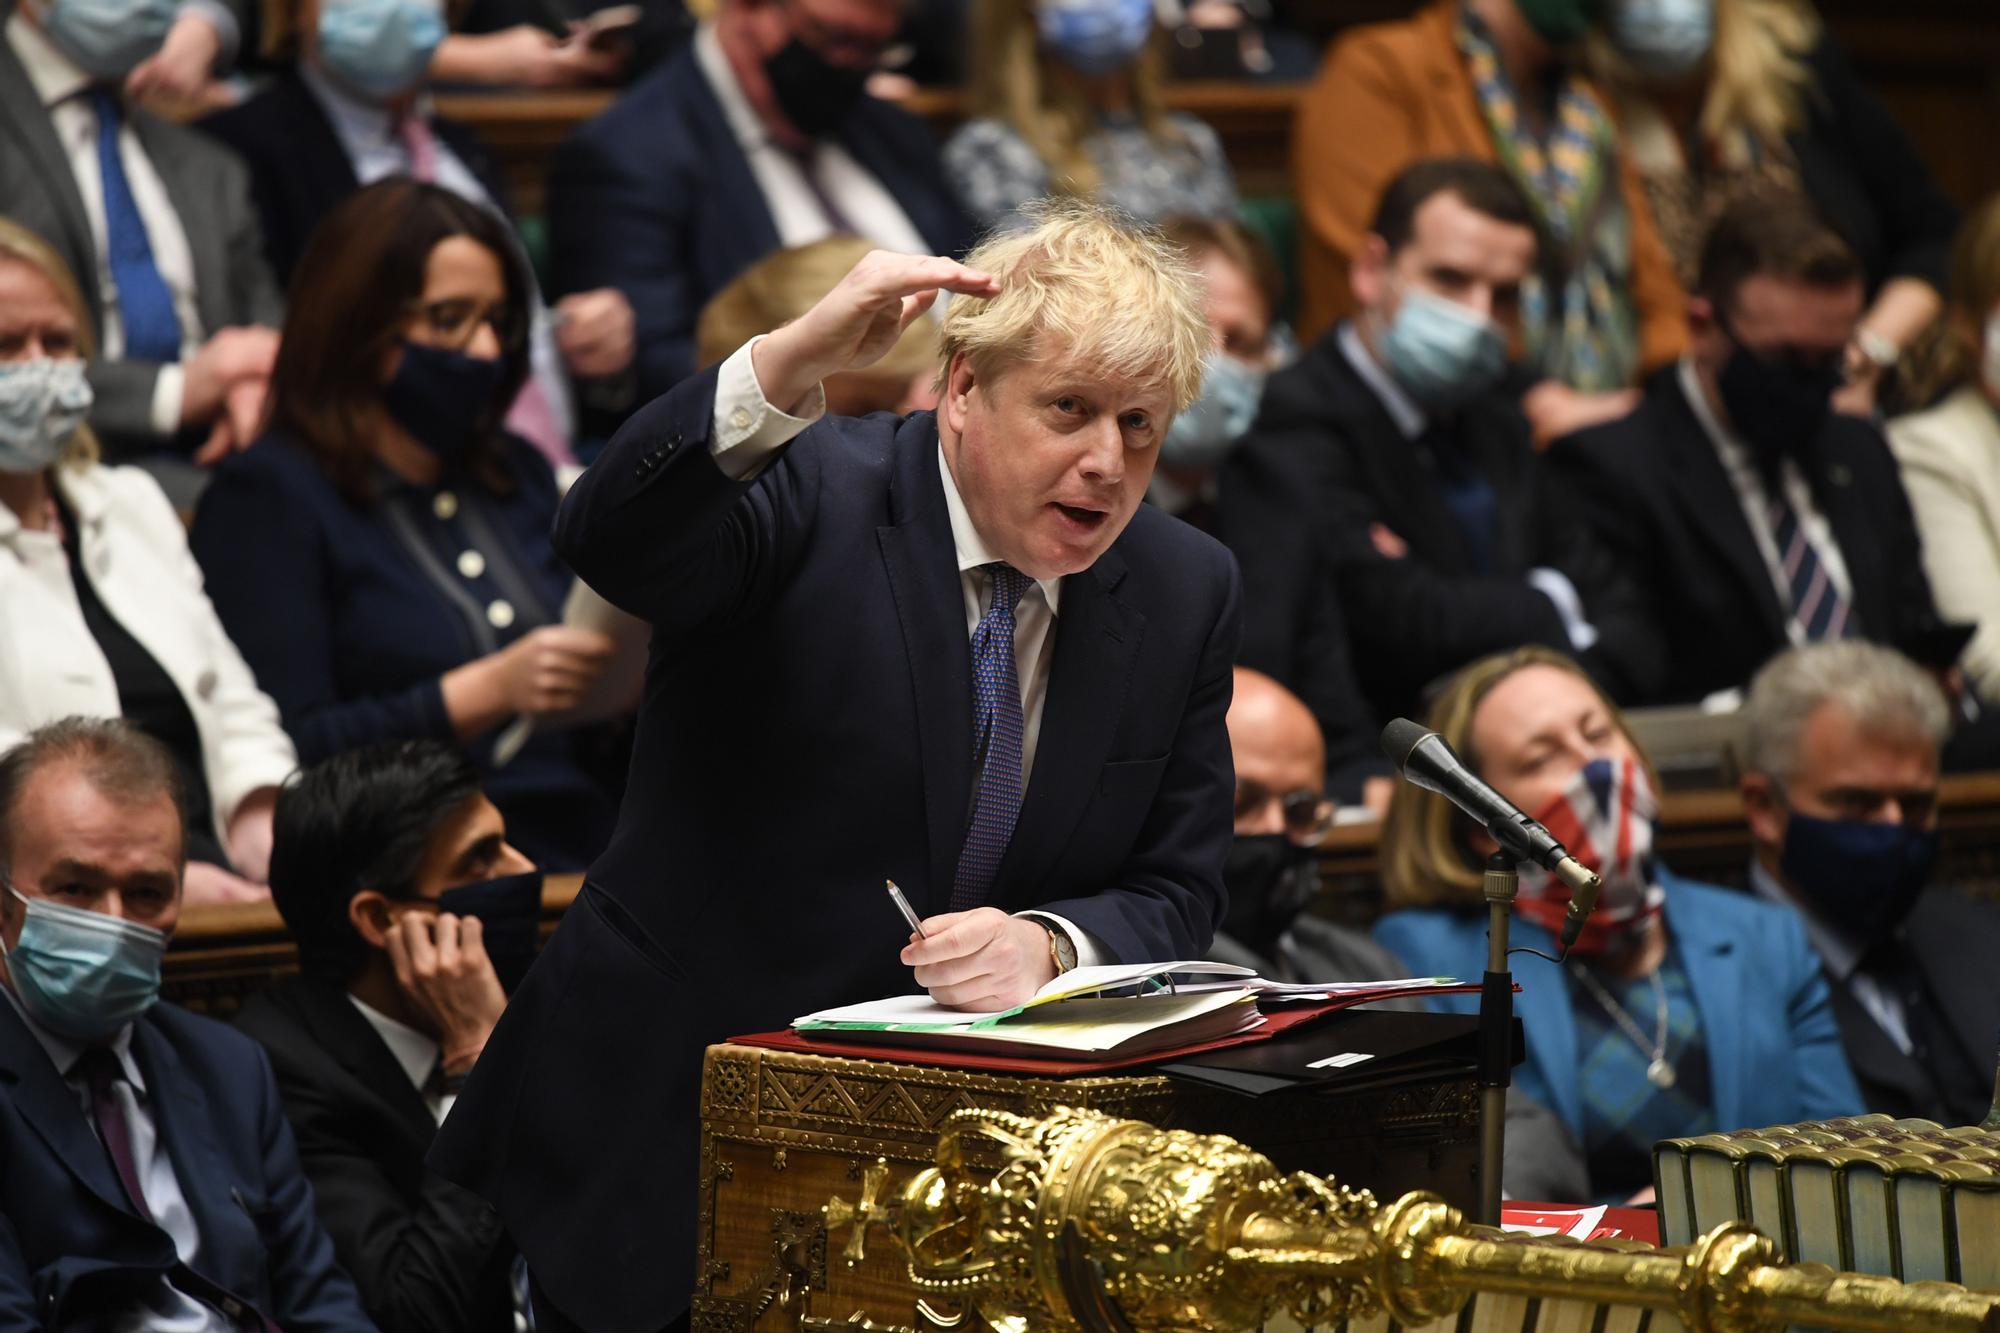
(1684, 1008)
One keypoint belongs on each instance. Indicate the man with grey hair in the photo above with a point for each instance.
(1840, 790)
(148, 1179)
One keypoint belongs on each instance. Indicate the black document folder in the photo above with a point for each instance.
(1400, 1047)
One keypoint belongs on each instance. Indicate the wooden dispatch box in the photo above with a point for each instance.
(783, 1131)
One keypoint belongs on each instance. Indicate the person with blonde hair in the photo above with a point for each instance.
(1683, 1008)
(952, 649)
(1066, 100)
(781, 287)
(100, 598)
(1719, 97)
(1949, 454)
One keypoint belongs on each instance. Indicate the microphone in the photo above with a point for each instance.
(1425, 758)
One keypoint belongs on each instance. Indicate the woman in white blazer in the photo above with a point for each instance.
(102, 611)
(1950, 455)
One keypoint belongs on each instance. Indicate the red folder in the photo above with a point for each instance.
(1278, 1020)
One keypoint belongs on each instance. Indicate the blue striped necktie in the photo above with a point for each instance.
(145, 306)
(1816, 603)
(997, 728)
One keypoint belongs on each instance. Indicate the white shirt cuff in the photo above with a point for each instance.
(167, 389)
(1090, 952)
(748, 431)
(1555, 585)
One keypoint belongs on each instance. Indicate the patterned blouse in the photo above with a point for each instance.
(995, 172)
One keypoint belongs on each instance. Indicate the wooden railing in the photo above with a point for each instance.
(221, 954)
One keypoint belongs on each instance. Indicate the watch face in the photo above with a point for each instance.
(1064, 950)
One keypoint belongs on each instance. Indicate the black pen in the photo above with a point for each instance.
(903, 906)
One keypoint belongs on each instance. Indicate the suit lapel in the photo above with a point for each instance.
(922, 567)
(345, 1035)
(1402, 472)
(748, 230)
(1950, 943)
(1704, 487)
(1877, 1061)
(1097, 641)
(24, 117)
(186, 1130)
(1716, 982)
(1855, 532)
(46, 1102)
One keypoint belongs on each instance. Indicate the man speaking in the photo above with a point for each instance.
(952, 650)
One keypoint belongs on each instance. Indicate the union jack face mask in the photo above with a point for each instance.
(1605, 818)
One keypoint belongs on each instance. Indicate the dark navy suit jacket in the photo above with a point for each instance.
(806, 732)
(69, 1237)
(655, 198)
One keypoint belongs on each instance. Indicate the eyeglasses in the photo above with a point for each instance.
(1307, 814)
(455, 323)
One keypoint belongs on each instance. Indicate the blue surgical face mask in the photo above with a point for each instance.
(1095, 36)
(1862, 876)
(1204, 433)
(379, 48)
(42, 402)
(1662, 39)
(440, 397)
(1440, 352)
(510, 920)
(108, 38)
(81, 974)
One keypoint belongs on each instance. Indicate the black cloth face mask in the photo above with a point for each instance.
(440, 397)
(814, 95)
(1270, 880)
(1777, 405)
(510, 920)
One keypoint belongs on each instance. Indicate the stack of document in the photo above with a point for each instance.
(1071, 1016)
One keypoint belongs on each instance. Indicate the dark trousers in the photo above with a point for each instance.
(548, 1319)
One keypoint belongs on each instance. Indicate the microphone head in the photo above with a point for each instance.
(1401, 737)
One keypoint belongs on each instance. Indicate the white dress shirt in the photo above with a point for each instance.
(163, 1308)
(869, 207)
(1748, 484)
(1840, 957)
(61, 85)
(368, 135)
(416, 1054)
(748, 431)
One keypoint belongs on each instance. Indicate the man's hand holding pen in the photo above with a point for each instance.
(981, 959)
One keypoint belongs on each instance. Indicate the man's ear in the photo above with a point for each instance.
(368, 912)
(960, 380)
(1368, 274)
(1763, 810)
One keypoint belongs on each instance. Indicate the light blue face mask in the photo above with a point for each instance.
(1440, 352)
(1209, 428)
(108, 38)
(1662, 39)
(42, 402)
(81, 974)
(1095, 36)
(379, 48)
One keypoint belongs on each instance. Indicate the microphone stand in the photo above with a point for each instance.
(1496, 1031)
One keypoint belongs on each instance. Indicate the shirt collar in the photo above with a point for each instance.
(359, 124)
(971, 547)
(63, 1053)
(1409, 418)
(743, 120)
(1735, 455)
(53, 75)
(1838, 954)
(415, 1052)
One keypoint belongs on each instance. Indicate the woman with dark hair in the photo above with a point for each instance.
(382, 555)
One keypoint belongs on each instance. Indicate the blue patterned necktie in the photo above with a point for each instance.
(997, 728)
(145, 306)
(1821, 611)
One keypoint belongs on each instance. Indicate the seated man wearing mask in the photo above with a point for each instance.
(1841, 795)
(1392, 460)
(148, 1179)
(1281, 814)
(414, 917)
(1755, 516)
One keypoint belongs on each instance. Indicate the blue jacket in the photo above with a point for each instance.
(67, 1232)
(656, 198)
(807, 730)
(1774, 1050)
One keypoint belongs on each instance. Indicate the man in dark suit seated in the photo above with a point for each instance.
(156, 224)
(1394, 459)
(1841, 795)
(355, 109)
(951, 649)
(412, 913)
(755, 136)
(148, 1179)
(1754, 514)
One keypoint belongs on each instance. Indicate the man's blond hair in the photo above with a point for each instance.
(1090, 284)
